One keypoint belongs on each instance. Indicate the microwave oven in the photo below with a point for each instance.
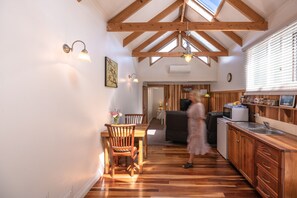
(236, 114)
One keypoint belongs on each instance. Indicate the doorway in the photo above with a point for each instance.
(155, 107)
(153, 99)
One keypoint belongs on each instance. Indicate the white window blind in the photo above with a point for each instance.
(271, 64)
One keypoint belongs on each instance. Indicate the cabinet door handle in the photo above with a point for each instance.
(268, 167)
(265, 180)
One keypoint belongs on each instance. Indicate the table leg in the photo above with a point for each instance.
(106, 156)
(145, 145)
(140, 155)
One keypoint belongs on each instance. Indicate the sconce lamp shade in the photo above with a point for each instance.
(83, 55)
(135, 80)
(133, 77)
(207, 95)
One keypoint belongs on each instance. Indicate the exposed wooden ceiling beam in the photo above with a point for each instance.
(157, 18)
(129, 11)
(211, 41)
(245, 10)
(161, 44)
(185, 26)
(232, 35)
(198, 45)
(182, 14)
(219, 9)
(177, 54)
(148, 41)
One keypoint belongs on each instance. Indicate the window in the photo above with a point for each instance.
(169, 47)
(295, 55)
(194, 49)
(210, 5)
(271, 64)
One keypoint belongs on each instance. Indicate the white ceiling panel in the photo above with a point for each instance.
(113, 7)
(192, 15)
(265, 7)
(231, 14)
(150, 11)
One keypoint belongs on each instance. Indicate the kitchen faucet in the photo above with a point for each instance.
(267, 125)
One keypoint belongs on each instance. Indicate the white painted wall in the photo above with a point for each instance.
(159, 71)
(53, 105)
(235, 62)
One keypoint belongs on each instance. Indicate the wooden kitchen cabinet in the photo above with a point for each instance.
(247, 155)
(268, 170)
(233, 146)
(268, 162)
(241, 151)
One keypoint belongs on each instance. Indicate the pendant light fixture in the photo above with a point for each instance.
(188, 55)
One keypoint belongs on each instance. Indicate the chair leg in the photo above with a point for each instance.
(112, 168)
(132, 167)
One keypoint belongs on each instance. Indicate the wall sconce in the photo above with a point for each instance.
(133, 77)
(83, 55)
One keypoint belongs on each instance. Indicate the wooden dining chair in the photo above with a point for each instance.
(134, 118)
(121, 140)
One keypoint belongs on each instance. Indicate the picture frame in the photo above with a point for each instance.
(111, 73)
(287, 100)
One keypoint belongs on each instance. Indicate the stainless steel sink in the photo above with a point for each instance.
(266, 131)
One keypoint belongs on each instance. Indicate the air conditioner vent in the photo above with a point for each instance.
(179, 69)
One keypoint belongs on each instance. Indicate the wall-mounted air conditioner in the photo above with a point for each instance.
(179, 69)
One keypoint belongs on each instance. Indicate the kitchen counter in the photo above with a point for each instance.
(285, 141)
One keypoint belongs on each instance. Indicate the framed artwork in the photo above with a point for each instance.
(287, 100)
(111, 73)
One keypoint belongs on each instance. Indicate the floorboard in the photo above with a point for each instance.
(163, 175)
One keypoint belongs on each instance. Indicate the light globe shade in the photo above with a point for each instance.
(84, 55)
(135, 80)
(188, 57)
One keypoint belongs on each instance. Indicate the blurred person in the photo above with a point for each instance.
(197, 144)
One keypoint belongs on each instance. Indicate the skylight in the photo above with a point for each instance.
(169, 47)
(198, 8)
(210, 5)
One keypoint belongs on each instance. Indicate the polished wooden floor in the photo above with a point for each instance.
(163, 176)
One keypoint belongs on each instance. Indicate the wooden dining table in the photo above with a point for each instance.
(140, 133)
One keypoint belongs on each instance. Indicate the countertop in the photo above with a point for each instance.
(285, 142)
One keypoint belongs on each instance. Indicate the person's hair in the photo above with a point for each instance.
(196, 95)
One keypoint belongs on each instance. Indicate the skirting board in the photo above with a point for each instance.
(87, 187)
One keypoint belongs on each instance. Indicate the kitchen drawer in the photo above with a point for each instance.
(267, 165)
(265, 191)
(268, 151)
(267, 179)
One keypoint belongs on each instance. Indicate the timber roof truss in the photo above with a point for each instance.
(181, 24)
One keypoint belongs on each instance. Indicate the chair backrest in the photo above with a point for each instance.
(134, 118)
(121, 137)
